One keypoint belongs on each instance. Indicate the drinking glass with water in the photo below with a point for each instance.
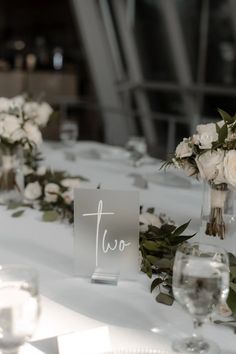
(200, 284)
(19, 306)
(68, 132)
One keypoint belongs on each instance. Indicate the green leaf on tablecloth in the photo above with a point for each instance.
(14, 205)
(50, 215)
(156, 282)
(82, 178)
(151, 210)
(17, 214)
(165, 299)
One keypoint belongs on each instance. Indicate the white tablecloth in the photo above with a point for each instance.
(111, 317)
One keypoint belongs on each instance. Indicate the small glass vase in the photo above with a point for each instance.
(217, 214)
(11, 175)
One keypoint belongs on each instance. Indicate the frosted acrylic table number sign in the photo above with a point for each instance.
(106, 226)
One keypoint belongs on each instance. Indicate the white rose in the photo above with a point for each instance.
(5, 104)
(71, 183)
(209, 164)
(206, 135)
(148, 219)
(68, 196)
(17, 102)
(33, 191)
(189, 169)
(31, 109)
(33, 133)
(41, 170)
(230, 167)
(51, 192)
(44, 112)
(184, 149)
(11, 128)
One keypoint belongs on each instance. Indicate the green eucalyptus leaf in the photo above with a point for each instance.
(17, 214)
(226, 116)
(155, 230)
(233, 287)
(181, 229)
(160, 262)
(50, 215)
(156, 282)
(233, 271)
(232, 259)
(223, 133)
(146, 267)
(179, 239)
(165, 299)
(217, 128)
(167, 229)
(151, 245)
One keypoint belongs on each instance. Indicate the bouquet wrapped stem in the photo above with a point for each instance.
(216, 224)
(11, 176)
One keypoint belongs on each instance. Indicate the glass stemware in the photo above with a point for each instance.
(137, 147)
(68, 132)
(68, 135)
(19, 306)
(200, 284)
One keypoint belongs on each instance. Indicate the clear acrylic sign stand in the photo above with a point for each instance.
(106, 235)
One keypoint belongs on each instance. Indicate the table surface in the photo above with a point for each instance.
(123, 316)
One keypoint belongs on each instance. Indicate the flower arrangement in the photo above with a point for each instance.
(210, 155)
(20, 122)
(51, 192)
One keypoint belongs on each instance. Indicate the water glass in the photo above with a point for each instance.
(200, 285)
(69, 132)
(137, 147)
(19, 306)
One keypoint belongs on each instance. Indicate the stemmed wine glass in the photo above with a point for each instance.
(200, 284)
(137, 147)
(19, 306)
(68, 135)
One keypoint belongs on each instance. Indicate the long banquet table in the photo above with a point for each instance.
(102, 317)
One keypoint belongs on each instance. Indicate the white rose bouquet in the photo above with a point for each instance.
(210, 155)
(20, 124)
